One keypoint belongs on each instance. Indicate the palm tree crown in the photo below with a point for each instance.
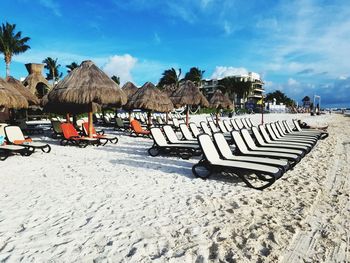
(170, 78)
(195, 75)
(52, 66)
(11, 43)
(72, 66)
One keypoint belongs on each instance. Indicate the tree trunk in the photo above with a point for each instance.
(7, 62)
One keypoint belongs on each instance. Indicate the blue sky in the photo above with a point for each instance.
(301, 47)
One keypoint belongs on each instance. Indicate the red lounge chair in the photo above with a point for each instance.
(102, 137)
(137, 129)
(71, 136)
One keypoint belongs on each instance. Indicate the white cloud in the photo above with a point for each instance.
(221, 72)
(51, 4)
(120, 66)
(292, 82)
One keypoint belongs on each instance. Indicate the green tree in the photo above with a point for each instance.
(72, 66)
(231, 85)
(116, 79)
(170, 78)
(280, 98)
(52, 66)
(11, 43)
(195, 75)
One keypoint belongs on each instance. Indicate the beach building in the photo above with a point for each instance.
(35, 81)
(251, 81)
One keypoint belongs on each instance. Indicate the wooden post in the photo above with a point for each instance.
(187, 115)
(90, 120)
(262, 111)
(68, 118)
(166, 117)
(217, 117)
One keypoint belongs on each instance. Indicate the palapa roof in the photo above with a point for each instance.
(35, 77)
(129, 89)
(188, 94)
(84, 89)
(149, 98)
(32, 99)
(10, 97)
(220, 101)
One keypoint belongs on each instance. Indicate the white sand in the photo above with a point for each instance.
(117, 203)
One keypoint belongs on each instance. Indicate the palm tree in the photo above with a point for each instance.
(11, 43)
(231, 86)
(52, 66)
(195, 75)
(170, 78)
(116, 79)
(72, 66)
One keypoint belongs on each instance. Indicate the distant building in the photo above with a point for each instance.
(257, 89)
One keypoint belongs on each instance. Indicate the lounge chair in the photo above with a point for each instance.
(252, 146)
(172, 137)
(160, 145)
(243, 150)
(194, 129)
(205, 128)
(15, 136)
(104, 138)
(56, 128)
(234, 125)
(227, 154)
(228, 126)
(120, 125)
(71, 136)
(276, 136)
(319, 133)
(259, 139)
(239, 123)
(212, 163)
(137, 129)
(7, 150)
(186, 133)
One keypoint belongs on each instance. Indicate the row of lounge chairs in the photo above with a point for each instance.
(267, 151)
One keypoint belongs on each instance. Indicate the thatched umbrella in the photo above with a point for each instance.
(219, 101)
(25, 92)
(149, 98)
(10, 97)
(85, 89)
(129, 89)
(187, 95)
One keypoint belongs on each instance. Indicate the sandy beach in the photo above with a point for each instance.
(117, 204)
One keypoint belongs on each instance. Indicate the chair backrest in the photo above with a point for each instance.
(119, 122)
(170, 134)
(264, 133)
(14, 133)
(222, 127)
(245, 124)
(86, 128)
(208, 148)
(69, 130)
(56, 126)
(239, 142)
(106, 119)
(258, 136)
(79, 123)
(142, 118)
(228, 126)
(239, 123)
(194, 129)
(249, 121)
(186, 132)
(176, 122)
(136, 126)
(205, 128)
(222, 145)
(234, 125)
(213, 126)
(158, 137)
(2, 128)
(248, 139)
(286, 126)
(270, 131)
(274, 128)
(296, 124)
(279, 128)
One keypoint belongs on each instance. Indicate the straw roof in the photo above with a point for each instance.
(149, 98)
(129, 89)
(84, 89)
(35, 77)
(10, 97)
(188, 94)
(220, 101)
(25, 92)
